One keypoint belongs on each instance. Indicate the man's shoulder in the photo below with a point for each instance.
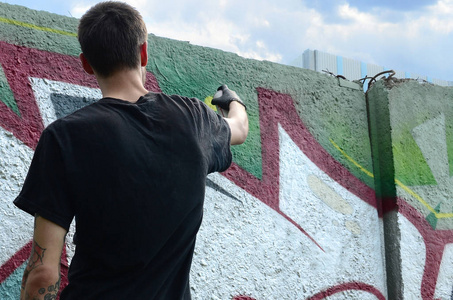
(79, 116)
(169, 97)
(178, 104)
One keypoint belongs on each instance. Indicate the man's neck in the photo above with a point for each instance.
(126, 85)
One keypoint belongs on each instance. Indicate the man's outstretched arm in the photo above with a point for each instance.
(41, 278)
(239, 123)
(237, 115)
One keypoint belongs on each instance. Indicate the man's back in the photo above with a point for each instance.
(135, 181)
(131, 172)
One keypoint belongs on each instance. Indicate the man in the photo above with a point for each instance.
(131, 168)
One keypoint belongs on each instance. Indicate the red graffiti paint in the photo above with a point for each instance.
(15, 261)
(243, 298)
(435, 242)
(276, 108)
(20, 63)
(351, 286)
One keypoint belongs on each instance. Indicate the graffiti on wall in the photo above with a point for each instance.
(425, 188)
(307, 228)
(39, 102)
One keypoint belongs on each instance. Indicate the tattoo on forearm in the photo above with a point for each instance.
(35, 261)
(51, 292)
(36, 257)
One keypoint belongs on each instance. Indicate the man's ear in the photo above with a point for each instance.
(86, 66)
(144, 54)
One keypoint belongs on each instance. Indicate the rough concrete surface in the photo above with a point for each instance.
(419, 118)
(334, 195)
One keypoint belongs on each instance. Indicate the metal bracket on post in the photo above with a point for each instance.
(349, 84)
(391, 72)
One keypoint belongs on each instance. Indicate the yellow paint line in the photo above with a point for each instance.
(422, 201)
(352, 160)
(208, 100)
(399, 183)
(33, 26)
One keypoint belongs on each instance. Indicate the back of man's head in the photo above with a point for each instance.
(110, 35)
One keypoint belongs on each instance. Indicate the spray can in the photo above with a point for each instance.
(218, 94)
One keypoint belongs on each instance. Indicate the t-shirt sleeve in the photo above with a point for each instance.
(219, 138)
(46, 190)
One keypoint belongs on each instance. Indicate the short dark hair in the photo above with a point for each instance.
(110, 35)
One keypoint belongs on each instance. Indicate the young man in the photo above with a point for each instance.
(131, 168)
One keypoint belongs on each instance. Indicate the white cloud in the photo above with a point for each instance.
(413, 41)
(279, 32)
(78, 9)
(444, 7)
(440, 17)
(351, 13)
(221, 25)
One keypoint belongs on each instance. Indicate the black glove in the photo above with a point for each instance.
(227, 96)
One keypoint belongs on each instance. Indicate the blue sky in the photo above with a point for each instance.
(413, 36)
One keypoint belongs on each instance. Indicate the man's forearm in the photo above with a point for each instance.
(41, 283)
(239, 123)
(41, 278)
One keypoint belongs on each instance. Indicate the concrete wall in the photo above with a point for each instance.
(412, 142)
(296, 216)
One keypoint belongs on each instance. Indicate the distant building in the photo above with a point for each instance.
(352, 69)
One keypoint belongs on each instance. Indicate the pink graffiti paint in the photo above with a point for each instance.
(15, 261)
(357, 286)
(435, 242)
(276, 108)
(20, 63)
(243, 298)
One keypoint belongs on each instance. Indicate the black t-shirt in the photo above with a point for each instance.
(133, 175)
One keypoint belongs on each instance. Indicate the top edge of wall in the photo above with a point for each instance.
(39, 29)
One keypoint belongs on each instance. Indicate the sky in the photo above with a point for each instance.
(414, 36)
